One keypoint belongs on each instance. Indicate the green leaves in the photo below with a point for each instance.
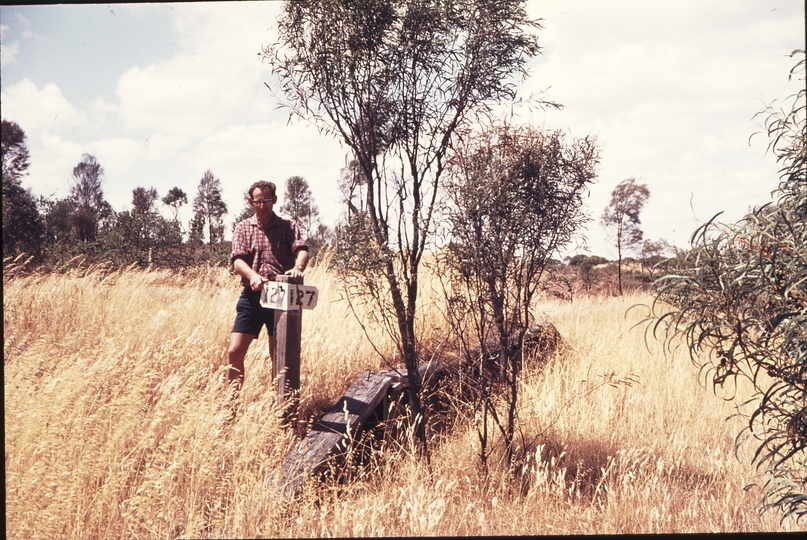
(739, 301)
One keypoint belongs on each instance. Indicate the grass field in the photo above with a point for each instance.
(114, 425)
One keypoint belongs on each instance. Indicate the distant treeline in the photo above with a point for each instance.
(83, 225)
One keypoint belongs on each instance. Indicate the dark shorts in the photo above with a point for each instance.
(251, 315)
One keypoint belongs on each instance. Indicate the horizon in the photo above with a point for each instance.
(161, 92)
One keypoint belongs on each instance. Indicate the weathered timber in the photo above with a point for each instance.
(343, 422)
(335, 430)
(288, 328)
(340, 425)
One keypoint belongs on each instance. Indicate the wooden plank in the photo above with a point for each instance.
(340, 424)
(334, 431)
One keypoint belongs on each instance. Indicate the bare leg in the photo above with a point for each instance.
(239, 345)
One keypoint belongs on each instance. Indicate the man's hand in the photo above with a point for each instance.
(296, 272)
(300, 262)
(256, 282)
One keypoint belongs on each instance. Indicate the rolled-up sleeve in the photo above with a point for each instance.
(241, 248)
(298, 243)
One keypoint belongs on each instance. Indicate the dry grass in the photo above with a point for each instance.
(113, 426)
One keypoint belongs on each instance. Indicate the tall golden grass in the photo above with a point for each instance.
(114, 425)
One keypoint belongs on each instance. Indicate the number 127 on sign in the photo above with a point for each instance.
(288, 297)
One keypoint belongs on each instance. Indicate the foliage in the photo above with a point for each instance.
(175, 198)
(298, 203)
(586, 264)
(653, 255)
(582, 259)
(394, 79)
(739, 300)
(142, 236)
(208, 206)
(246, 212)
(23, 227)
(621, 218)
(196, 230)
(144, 200)
(14, 150)
(72, 224)
(84, 226)
(91, 208)
(516, 196)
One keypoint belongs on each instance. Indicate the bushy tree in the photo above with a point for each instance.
(72, 224)
(142, 236)
(91, 208)
(586, 264)
(298, 203)
(23, 225)
(14, 150)
(144, 201)
(209, 207)
(175, 199)
(587, 260)
(144, 239)
(653, 253)
(739, 300)
(621, 218)
(516, 196)
(394, 79)
(246, 212)
(196, 230)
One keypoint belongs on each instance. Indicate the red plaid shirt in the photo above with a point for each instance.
(270, 251)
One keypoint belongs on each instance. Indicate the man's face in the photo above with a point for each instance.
(262, 201)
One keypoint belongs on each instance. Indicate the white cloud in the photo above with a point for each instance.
(47, 118)
(207, 107)
(241, 155)
(9, 52)
(215, 80)
(668, 88)
(25, 23)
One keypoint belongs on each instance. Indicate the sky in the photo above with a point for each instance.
(160, 93)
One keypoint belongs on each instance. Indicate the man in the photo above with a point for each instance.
(264, 246)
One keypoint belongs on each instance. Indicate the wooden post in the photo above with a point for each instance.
(288, 329)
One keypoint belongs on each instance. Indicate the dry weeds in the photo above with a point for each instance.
(114, 426)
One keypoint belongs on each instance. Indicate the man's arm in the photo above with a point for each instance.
(300, 262)
(244, 270)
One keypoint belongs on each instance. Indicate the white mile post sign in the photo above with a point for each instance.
(288, 297)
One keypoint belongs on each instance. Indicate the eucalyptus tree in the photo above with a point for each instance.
(394, 80)
(175, 198)
(516, 198)
(23, 225)
(144, 200)
(621, 218)
(86, 192)
(738, 299)
(14, 150)
(298, 203)
(209, 207)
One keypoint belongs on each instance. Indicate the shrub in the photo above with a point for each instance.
(739, 300)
